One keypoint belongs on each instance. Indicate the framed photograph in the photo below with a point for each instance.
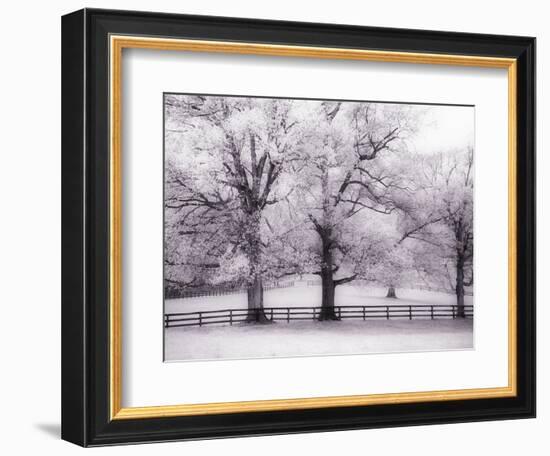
(278, 227)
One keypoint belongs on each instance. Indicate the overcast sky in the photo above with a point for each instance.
(443, 128)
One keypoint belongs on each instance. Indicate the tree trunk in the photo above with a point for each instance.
(327, 283)
(255, 293)
(460, 287)
(391, 292)
(255, 289)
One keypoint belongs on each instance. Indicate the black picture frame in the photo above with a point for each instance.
(85, 228)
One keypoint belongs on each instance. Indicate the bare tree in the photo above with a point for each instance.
(248, 145)
(348, 176)
(442, 223)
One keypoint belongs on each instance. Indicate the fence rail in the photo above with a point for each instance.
(198, 293)
(224, 291)
(288, 314)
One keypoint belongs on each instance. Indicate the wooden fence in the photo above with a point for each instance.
(225, 291)
(288, 314)
(198, 293)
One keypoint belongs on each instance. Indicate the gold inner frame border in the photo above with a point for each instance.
(116, 46)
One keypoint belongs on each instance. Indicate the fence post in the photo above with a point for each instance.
(453, 310)
(387, 312)
(166, 320)
(288, 314)
(271, 316)
(364, 315)
(230, 317)
(200, 319)
(432, 311)
(339, 313)
(410, 313)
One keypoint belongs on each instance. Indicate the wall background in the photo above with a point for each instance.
(30, 192)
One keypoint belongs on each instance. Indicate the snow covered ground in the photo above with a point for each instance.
(316, 338)
(311, 296)
(312, 338)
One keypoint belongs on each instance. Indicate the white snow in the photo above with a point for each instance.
(312, 338)
(311, 296)
(316, 338)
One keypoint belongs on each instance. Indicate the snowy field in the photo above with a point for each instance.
(310, 296)
(316, 338)
(305, 338)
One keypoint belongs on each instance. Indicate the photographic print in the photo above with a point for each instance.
(306, 227)
(223, 209)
